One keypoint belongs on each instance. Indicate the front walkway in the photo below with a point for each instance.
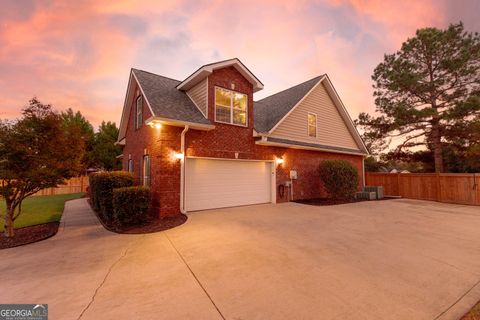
(396, 259)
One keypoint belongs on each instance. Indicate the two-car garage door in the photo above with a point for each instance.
(216, 183)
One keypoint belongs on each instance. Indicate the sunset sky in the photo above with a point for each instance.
(78, 53)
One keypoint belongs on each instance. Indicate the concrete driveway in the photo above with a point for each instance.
(396, 259)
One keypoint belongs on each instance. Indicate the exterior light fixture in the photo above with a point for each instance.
(179, 156)
(158, 125)
(279, 161)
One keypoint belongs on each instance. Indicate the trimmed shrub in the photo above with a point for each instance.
(101, 190)
(131, 205)
(340, 179)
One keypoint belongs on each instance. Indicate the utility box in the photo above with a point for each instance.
(377, 189)
(293, 174)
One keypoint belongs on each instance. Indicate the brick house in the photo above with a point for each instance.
(204, 143)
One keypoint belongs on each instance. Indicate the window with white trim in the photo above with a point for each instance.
(146, 170)
(230, 107)
(139, 115)
(130, 165)
(312, 124)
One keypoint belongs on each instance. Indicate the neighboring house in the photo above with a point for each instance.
(203, 143)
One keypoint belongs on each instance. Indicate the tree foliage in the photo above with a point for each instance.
(37, 151)
(86, 134)
(427, 93)
(104, 152)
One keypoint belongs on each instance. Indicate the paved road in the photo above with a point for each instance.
(397, 259)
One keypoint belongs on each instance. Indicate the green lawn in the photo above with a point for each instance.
(40, 209)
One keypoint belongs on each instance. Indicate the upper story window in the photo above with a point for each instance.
(230, 107)
(138, 113)
(312, 124)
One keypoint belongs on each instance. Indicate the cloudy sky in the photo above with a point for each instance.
(78, 53)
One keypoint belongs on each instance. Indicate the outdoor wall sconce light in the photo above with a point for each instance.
(179, 156)
(279, 161)
(156, 125)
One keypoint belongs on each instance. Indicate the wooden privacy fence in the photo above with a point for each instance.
(461, 188)
(73, 185)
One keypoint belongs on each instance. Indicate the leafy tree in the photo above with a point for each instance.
(87, 135)
(455, 158)
(105, 152)
(427, 93)
(372, 165)
(36, 151)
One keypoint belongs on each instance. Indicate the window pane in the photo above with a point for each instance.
(139, 112)
(223, 97)
(146, 170)
(312, 131)
(239, 117)
(240, 101)
(222, 114)
(312, 120)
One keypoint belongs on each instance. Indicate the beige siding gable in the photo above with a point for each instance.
(331, 128)
(198, 94)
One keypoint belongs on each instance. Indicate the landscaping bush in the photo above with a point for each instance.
(131, 205)
(101, 190)
(340, 179)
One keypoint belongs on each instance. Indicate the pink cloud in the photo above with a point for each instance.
(78, 54)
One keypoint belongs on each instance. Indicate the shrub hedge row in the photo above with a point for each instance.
(131, 205)
(340, 179)
(101, 190)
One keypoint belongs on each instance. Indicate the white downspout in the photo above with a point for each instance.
(182, 170)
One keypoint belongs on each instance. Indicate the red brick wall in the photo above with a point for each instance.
(227, 140)
(222, 142)
(157, 144)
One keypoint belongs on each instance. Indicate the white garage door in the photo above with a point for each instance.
(213, 184)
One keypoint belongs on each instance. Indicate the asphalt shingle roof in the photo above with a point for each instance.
(167, 101)
(270, 110)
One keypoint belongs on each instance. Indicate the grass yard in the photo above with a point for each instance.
(40, 209)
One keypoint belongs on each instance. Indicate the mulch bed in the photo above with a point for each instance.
(158, 224)
(331, 202)
(29, 234)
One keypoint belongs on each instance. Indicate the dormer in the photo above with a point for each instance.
(223, 91)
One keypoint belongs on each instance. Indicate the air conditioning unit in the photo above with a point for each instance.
(377, 189)
(362, 195)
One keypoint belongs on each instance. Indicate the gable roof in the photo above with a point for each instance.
(163, 99)
(269, 111)
(203, 72)
(169, 104)
(272, 110)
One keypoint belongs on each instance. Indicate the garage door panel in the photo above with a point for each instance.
(225, 183)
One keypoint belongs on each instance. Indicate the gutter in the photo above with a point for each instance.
(265, 142)
(179, 123)
(182, 170)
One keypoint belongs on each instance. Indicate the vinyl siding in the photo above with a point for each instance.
(331, 128)
(198, 94)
